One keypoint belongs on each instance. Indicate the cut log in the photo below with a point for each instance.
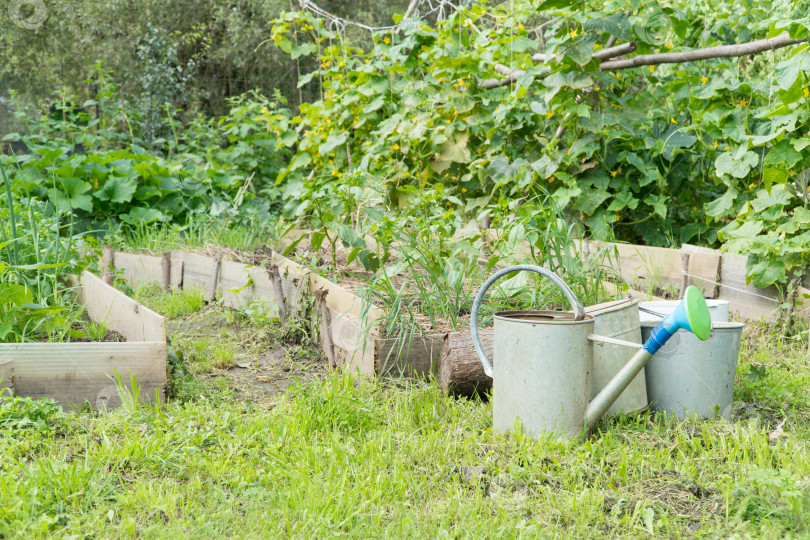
(460, 370)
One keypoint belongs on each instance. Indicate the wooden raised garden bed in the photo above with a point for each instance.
(78, 373)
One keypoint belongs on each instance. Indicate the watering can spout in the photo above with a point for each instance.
(691, 314)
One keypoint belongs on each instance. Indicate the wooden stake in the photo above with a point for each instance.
(326, 324)
(685, 273)
(212, 289)
(167, 270)
(275, 277)
(108, 264)
(460, 370)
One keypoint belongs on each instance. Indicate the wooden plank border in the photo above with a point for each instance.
(79, 373)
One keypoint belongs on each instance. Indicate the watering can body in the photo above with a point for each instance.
(542, 375)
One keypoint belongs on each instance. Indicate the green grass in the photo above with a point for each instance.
(177, 303)
(389, 459)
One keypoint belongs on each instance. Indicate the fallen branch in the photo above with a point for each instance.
(604, 54)
(722, 51)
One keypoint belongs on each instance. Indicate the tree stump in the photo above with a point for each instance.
(460, 370)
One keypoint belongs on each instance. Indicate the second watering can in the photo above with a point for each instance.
(542, 375)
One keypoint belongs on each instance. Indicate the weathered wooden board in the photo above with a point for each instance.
(75, 373)
(6, 377)
(119, 312)
(704, 269)
(139, 269)
(353, 323)
(234, 285)
(197, 269)
(342, 301)
(749, 301)
(418, 356)
(294, 283)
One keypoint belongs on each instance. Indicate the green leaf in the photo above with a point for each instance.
(317, 240)
(621, 201)
(659, 204)
(332, 142)
(719, 207)
(117, 190)
(143, 215)
(766, 273)
(73, 195)
(738, 168)
(591, 199)
(788, 70)
(554, 4)
(774, 175)
(800, 144)
(691, 229)
(617, 25)
(783, 154)
(777, 197)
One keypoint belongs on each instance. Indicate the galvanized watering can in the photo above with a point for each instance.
(544, 358)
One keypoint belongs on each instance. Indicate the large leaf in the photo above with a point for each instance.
(788, 70)
(617, 25)
(766, 273)
(73, 195)
(332, 142)
(720, 207)
(591, 199)
(117, 190)
(738, 168)
(783, 154)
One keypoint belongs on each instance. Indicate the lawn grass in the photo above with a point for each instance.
(396, 459)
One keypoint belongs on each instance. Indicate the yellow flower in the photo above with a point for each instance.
(597, 47)
(549, 114)
(573, 33)
(595, 88)
(714, 144)
(367, 60)
(367, 143)
(464, 190)
(743, 102)
(652, 68)
(669, 45)
(617, 218)
(395, 147)
(617, 171)
(728, 148)
(673, 120)
(704, 79)
(441, 79)
(521, 27)
(582, 217)
(340, 64)
(386, 41)
(806, 93)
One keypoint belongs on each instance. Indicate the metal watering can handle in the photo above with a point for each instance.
(579, 310)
